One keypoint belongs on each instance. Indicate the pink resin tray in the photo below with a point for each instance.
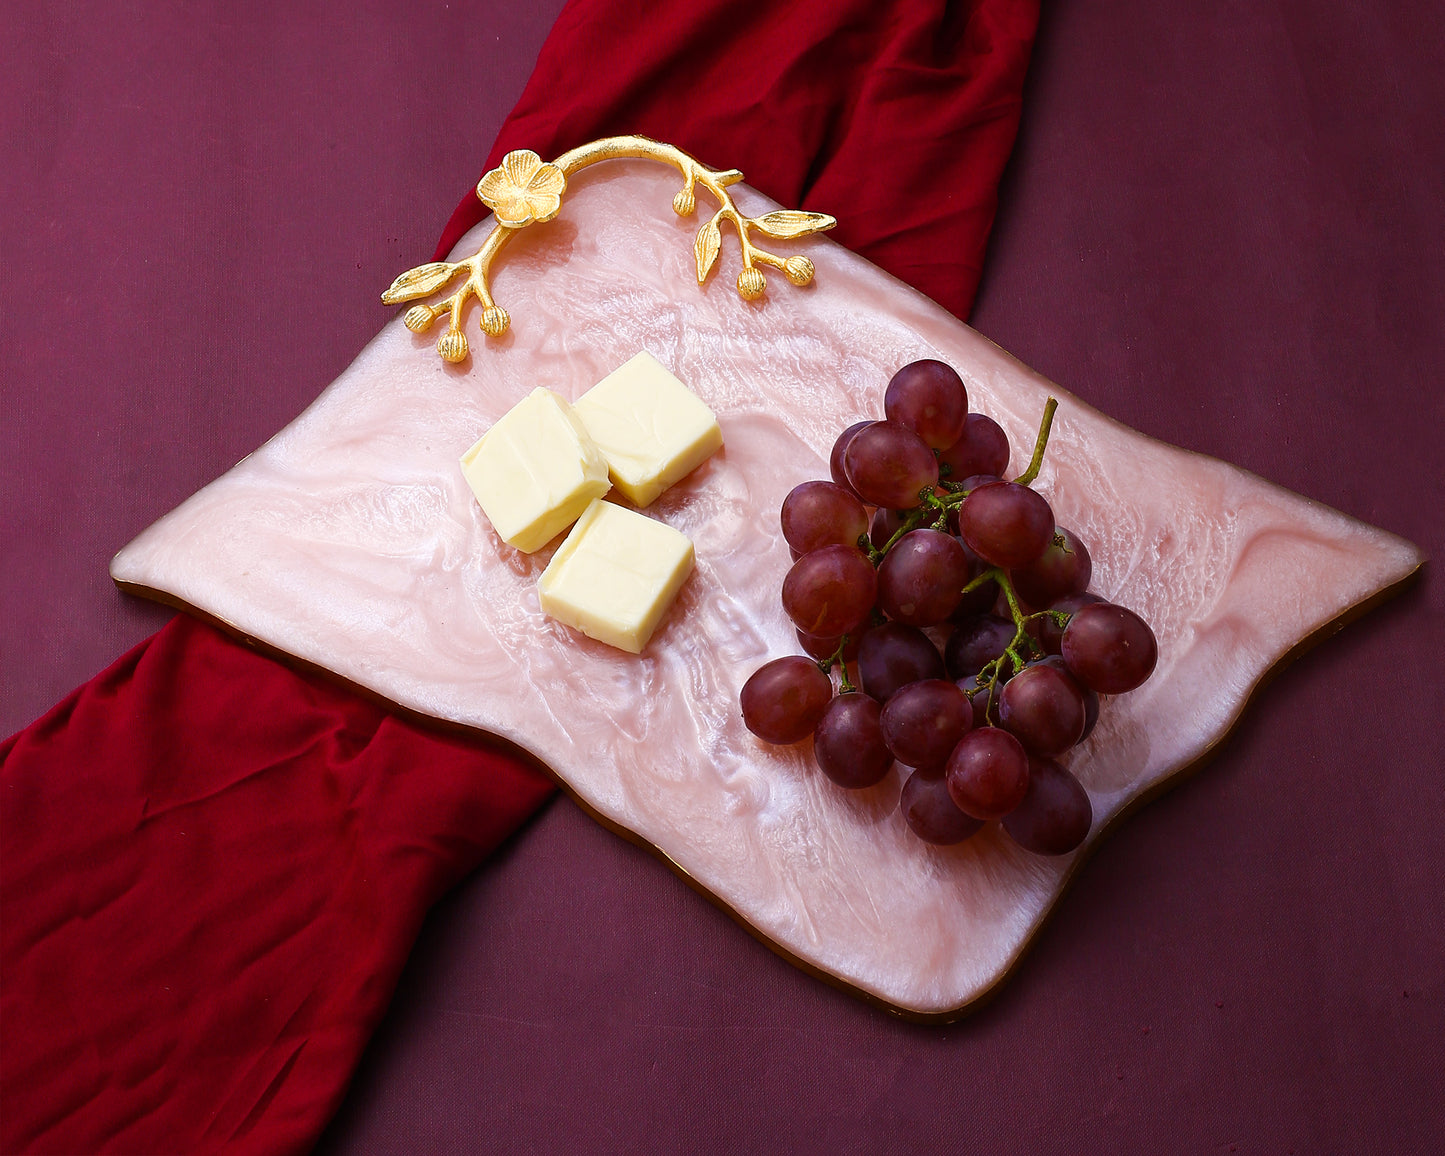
(350, 541)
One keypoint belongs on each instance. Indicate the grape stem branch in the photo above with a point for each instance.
(1040, 443)
(1023, 647)
(826, 665)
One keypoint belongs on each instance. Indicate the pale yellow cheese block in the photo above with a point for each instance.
(651, 428)
(535, 470)
(615, 575)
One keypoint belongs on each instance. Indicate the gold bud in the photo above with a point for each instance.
(799, 269)
(684, 203)
(495, 321)
(453, 346)
(419, 318)
(751, 284)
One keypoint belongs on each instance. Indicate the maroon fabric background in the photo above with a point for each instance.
(1222, 227)
(252, 849)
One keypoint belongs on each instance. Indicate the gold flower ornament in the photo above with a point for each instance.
(525, 190)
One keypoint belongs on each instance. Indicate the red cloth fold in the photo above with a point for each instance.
(896, 118)
(214, 867)
(213, 870)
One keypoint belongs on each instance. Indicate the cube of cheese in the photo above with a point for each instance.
(615, 575)
(535, 470)
(652, 429)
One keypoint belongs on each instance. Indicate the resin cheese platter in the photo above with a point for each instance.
(351, 541)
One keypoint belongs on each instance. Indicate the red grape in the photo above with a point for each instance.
(884, 525)
(988, 773)
(929, 398)
(921, 578)
(982, 448)
(975, 643)
(1091, 698)
(890, 465)
(967, 486)
(1006, 524)
(835, 459)
(1051, 635)
(893, 655)
(1055, 815)
(1108, 648)
(1043, 708)
(931, 813)
(1059, 571)
(848, 742)
(818, 514)
(1091, 709)
(923, 722)
(830, 591)
(784, 699)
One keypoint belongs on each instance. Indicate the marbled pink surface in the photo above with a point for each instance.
(351, 540)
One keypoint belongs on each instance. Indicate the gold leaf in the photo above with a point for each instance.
(709, 241)
(788, 223)
(418, 282)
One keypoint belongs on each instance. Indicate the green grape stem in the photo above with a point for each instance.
(916, 517)
(975, 583)
(912, 522)
(845, 686)
(1036, 462)
(1023, 645)
(990, 713)
(1021, 621)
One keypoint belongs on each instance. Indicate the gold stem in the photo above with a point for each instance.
(479, 264)
(610, 149)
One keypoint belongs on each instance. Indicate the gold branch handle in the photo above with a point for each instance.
(525, 190)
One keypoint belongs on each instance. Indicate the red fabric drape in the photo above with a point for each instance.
(897, 118)
(213, 866)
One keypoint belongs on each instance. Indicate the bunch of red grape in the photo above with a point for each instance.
(964, 610)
